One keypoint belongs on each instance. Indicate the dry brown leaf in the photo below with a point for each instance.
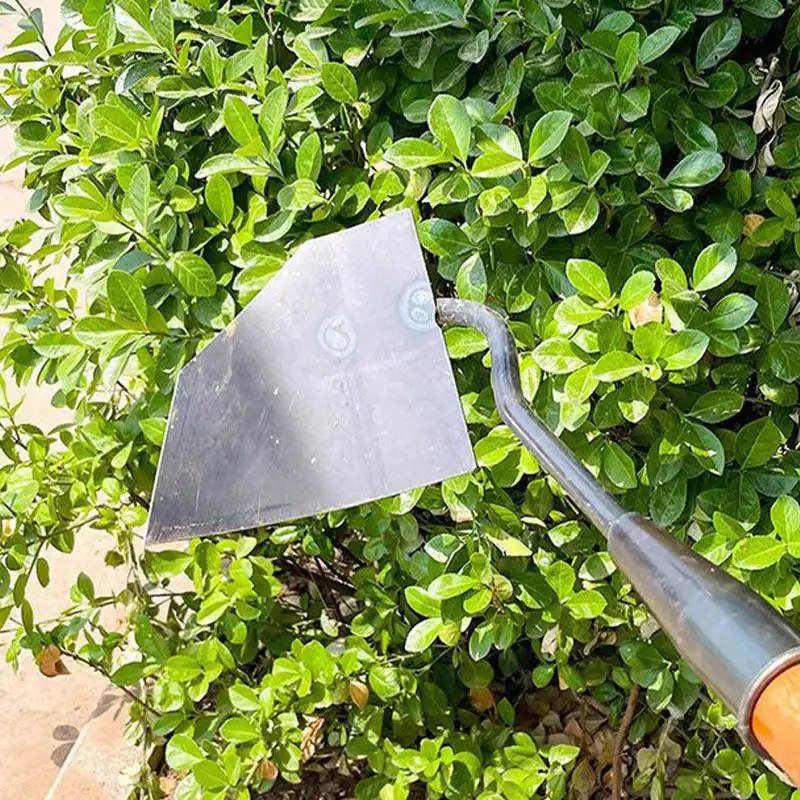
(552, 722)
(574, 730)
(649, 627)
(765, 159)
(50, 663)
(461, 515)
(359, 693)
(167, 784)
(559, 738)
(312, 734)
(582, 781)
(268, 770)
(541, 701)
(649, 310)
(751, 223)
(767, 105)
(550, 642)
(601, 747)
(481, 699)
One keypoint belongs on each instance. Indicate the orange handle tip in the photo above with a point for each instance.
(776, 721)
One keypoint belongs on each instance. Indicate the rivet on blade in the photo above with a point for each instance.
(417, 308)
(337, 336)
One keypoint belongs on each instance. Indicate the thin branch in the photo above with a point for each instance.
(619, 742)
(106, 674)
(35, 24)
(315, 577)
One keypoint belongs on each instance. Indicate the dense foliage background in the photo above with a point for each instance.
(619, 178)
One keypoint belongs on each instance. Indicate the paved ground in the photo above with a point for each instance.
(41, 718)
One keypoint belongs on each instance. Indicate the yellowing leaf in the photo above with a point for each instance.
(359, 693)
(50, 663)
(481, 699)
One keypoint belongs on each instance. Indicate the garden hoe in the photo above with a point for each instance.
(333, 388)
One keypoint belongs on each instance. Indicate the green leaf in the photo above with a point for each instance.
(713, 266)
(508, 545)
(339, 83)
(209, 775)
(471, 281)
(785, 516)
(668, 500)
(117, 122)
(239, 120)
(422, 22)
(548, 133)
(717, 406)
(696, 169)
(56, 345)
(784, 355)
(757, 442)
(128, 674)
(97, 331)
(732, 312)
(588, 278)
(768, 9)
(618, 466)
(717, 41)
(239, 729)
(587, 604)
(558, 356)
(658, 42)
(182, 753)
(463, 342)
(183, 668)
(421, 601)
(772, 297)
(308, 162)
(226, 163)
(194, 274)
(126, 296)
(586, 166)
(219, 198)
(384, 681)
(450, 123)
(573, 311)
(616, 366)
(272, 114)
(164, 25)
(299, 195)
(423, 635)
(138, 195)
(758, 552)
(627, 56)
(636, 289)
(728, 762)
(561, 578)
(634, 102)
(211, 63)
(243, 698)
(450, 585)
(582, 213)
(683, 349)
(154, 429)
(414, 154)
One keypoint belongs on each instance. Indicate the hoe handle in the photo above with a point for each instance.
(730, 636)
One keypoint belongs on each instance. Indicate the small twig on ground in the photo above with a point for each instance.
(619, 742)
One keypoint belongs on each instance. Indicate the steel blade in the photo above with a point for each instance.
(332, 388)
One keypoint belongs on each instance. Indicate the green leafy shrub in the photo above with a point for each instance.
(619, 179)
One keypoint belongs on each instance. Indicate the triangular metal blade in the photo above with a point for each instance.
(332, 388)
